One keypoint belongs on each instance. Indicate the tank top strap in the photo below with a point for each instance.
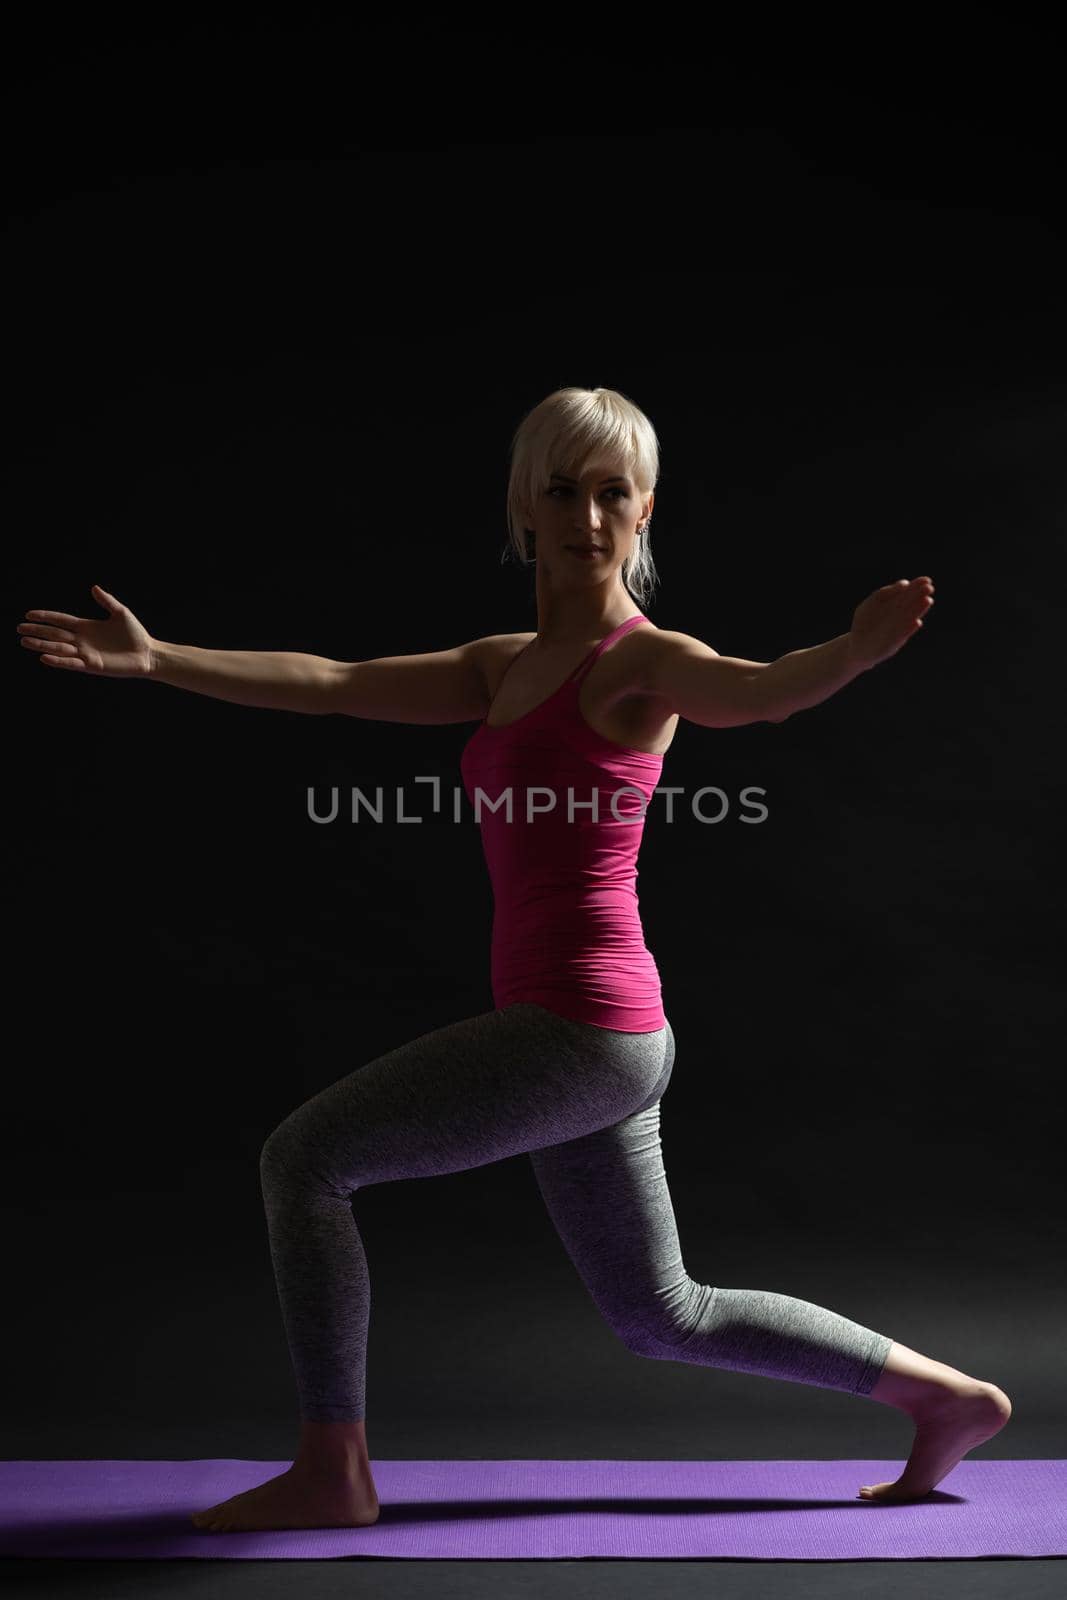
(580, 671)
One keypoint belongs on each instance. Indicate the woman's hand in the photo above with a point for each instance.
(887, 619)
(118, 647)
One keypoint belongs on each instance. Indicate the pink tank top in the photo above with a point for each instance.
(566, 927)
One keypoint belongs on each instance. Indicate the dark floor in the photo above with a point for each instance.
(726, 1580)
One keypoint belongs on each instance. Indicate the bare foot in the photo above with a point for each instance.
(295, 1499)
(943, 1436)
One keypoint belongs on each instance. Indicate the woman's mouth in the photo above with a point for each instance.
(586, 551)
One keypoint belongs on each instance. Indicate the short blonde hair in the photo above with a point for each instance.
(564, 432)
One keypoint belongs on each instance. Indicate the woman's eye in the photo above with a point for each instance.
(560, 488)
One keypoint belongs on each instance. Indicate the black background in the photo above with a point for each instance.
(278, 297)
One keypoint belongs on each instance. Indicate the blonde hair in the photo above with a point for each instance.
(567, 430)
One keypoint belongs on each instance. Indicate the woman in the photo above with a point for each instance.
(570, 1065)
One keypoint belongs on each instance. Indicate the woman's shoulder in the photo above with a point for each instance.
(501, 647)
(494, 653)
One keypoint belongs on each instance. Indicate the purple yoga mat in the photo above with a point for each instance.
(489, 1510)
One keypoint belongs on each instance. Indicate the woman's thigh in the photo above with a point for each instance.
(607, 1195)
(473, 1092)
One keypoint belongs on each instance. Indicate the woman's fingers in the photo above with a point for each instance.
(918, 593)
(54, 616)
(75, 663)
(38, 630)
(59, 647)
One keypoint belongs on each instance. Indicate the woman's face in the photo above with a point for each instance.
(599, 513)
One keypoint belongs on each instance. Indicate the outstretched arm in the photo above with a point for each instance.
(119, 646)
(727, 692)
(437, 686)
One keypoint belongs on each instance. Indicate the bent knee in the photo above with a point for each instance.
(656, 1342)
(278, 1155)
(291, 1160)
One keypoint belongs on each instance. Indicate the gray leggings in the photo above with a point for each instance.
(583, 1103)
